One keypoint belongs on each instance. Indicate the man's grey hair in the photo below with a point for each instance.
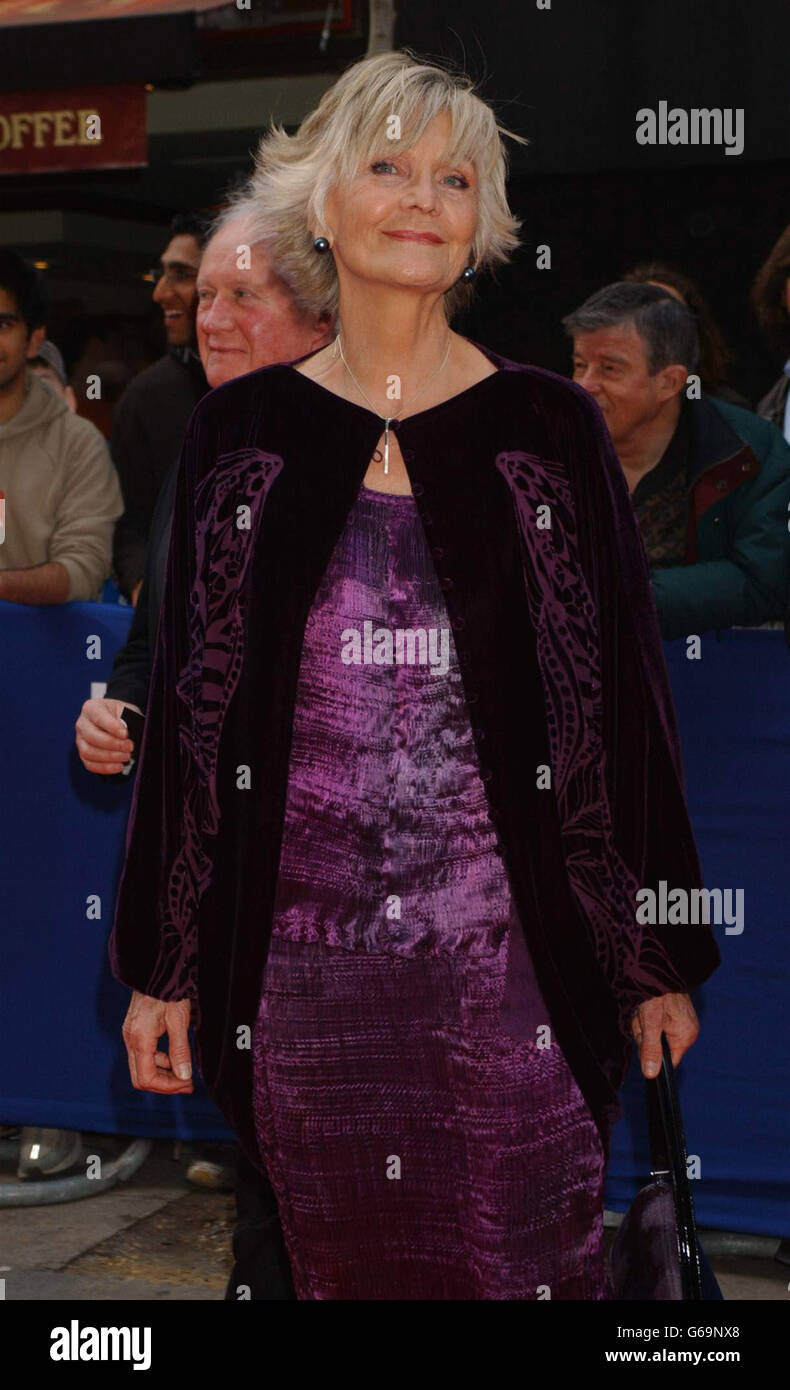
(238, 208)
(665, 325)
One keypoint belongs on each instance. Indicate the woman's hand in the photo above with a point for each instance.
(672, 1014)
(147, 1019)
(102, 741)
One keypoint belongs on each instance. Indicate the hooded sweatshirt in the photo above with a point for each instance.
(62, 494)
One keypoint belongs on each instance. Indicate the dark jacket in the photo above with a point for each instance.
(737, 563)
(131, 671)
(149, 424)
(562, 667)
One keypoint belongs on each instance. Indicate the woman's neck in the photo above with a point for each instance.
(392, 334)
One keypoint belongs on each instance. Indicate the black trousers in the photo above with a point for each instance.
(261, 1261)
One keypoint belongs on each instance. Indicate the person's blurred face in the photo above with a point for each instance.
(611, 364)
(175, 290)
(50, 376)
(17, 343)
(247, 319)
(406, 220)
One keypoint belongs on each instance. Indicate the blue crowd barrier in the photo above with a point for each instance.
(733, 707)
(62, 1058)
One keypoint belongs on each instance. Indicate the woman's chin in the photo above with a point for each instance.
(413, 280)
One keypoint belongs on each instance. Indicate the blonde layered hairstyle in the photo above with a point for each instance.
(294, 173)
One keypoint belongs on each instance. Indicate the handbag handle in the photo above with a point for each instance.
(668, 1158)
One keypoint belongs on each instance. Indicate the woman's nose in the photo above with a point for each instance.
(421, 192)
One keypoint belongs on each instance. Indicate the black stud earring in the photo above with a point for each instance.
(321, 245)
(469, 274)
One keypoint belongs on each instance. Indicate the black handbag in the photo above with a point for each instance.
(656, 1254)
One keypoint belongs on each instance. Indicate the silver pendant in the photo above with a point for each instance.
(387, 444)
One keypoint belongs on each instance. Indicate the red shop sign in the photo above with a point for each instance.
(73, 128)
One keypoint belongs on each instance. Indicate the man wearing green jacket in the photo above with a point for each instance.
(710, 482)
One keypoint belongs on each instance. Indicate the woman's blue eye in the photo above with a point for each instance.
(385, 164)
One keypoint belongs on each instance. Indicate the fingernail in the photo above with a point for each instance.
(125, 725)
(651, 1068)
(183, 1071)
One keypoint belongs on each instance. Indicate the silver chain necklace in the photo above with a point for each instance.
(389, 418)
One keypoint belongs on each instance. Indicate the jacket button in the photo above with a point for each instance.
(417, 489)
(479, 733)
(437, 552)
(457, 624)
(746, 468)
(408, 455)
(721, 484)
(486, 774)
(445, 583)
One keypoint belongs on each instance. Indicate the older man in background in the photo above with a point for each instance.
(246, 319)
(710, 482)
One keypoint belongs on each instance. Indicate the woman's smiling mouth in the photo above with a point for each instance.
(430, 237)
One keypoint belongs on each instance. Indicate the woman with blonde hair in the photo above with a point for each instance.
(410, 752)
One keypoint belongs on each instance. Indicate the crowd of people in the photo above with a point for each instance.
(709, 481)
(707, 475)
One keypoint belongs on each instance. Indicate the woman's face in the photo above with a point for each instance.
(405, 220)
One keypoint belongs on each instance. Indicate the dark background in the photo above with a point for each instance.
(570, 78)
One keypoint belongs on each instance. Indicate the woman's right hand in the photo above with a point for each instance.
(102, 741)
(147, 1020)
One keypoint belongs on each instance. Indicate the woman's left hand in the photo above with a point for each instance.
(672, 1014)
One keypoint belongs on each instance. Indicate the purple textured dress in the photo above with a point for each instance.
(422, 1130)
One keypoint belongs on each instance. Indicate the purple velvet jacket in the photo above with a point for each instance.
(546, 583)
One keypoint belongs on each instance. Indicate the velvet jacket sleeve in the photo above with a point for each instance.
(153, 946)
(647, 832)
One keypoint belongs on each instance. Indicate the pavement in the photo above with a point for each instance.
(156, 1237)
(152, 1237)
